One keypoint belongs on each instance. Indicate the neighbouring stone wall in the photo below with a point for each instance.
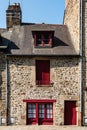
(84, 71)
(72, 20)
(64, 73)
(66, 2)
(2, 86)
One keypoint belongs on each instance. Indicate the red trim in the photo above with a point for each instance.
(39, 101)
(50, 33)
(42, 72)
(37, 113)
(37, 120)
(34, 39)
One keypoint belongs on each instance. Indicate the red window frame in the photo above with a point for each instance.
(31, 113)
(43, 38)
(43, 72)
(37, 119)
(43, 113)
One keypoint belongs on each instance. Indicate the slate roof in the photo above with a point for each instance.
(20, 40)
(2, 45)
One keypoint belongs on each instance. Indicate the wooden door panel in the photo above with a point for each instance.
(70, 115)
(43, 72)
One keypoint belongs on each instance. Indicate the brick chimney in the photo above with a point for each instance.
(13, 15)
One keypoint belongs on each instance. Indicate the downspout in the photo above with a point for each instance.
(81, 62)
(6, 91)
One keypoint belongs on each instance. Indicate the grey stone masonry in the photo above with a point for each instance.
(64, 74)
(2, 86)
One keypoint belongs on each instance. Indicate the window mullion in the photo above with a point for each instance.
(34, 39)
(50, 39)
(37, 113)
(45, 112)
(42, 39)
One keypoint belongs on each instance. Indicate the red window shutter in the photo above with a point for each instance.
(43, 72)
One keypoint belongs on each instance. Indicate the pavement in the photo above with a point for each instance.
(42, 127)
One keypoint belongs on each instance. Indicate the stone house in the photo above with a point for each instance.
(43, 69)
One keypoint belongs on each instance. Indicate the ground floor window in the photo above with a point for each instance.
(40, 112)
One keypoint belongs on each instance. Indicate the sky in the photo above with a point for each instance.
(35, 11)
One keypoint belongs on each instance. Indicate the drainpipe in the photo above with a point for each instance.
(6, 91)
(81, 61)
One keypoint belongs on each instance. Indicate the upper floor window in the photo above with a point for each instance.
(43, 38)
(42, 72)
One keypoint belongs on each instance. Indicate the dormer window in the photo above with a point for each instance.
(43, 38)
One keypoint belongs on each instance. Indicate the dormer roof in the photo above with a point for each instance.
(20, 40)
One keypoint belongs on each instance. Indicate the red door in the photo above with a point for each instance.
(70, 115)
(43, 72)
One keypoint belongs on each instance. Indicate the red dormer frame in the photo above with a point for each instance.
(43, 38)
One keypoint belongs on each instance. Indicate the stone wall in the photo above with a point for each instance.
(64, 73)
(66, 2)
(72, 20)
(2, 86)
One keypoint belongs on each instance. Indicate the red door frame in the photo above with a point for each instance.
(70, 114)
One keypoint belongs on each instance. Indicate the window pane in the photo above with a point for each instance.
(49, 106)
(31, 115)
(33, 106)
(49, 111)
(46, 38)
(29, 105)
(31, 111)
(38, 39)
(41, 110)
(34, 111)
(41, 106)
(41, 115)
(49, 116)
(34, 115)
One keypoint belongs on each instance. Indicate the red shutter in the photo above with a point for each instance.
(43, 72)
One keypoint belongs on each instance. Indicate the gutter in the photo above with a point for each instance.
(6, 91)
(53, 55)
(81, 67)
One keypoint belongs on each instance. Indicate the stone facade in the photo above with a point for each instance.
(72, 20)
(64, 73)
(18, 75)
(2, 86)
